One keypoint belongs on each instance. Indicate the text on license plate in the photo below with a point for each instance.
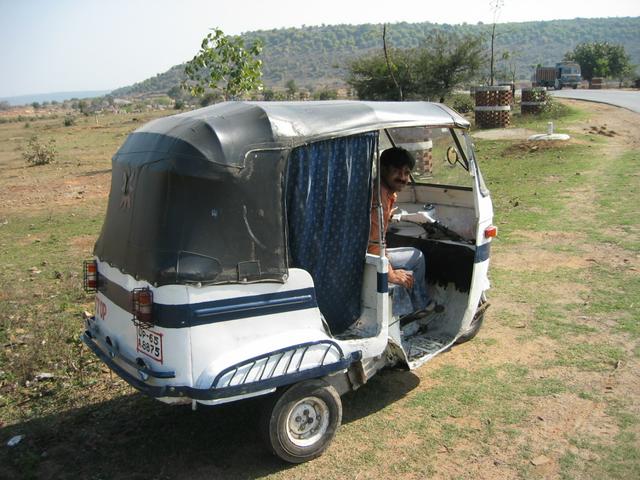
(150, 343)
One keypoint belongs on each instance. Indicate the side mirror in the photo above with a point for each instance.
(452, 155)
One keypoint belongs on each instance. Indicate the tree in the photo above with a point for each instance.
(430, 71)
(447, 60)
(496, 6)
(600, 59)
(369, 76)
(175, 92)
(224, 63)
(292, 88)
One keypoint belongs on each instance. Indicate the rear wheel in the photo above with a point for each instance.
(300, 423)
(476, 323)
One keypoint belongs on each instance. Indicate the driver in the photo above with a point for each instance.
(406, 264)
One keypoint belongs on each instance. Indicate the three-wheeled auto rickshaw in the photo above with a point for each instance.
(233, 260)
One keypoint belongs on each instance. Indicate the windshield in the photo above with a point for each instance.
(441, 154)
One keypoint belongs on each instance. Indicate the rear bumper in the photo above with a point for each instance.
(186, 392)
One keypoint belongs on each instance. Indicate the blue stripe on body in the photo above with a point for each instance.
(482, 252)
(382, 282)
(178, 316)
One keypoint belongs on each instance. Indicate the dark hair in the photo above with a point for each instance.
(397, 157)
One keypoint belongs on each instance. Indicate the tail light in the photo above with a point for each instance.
(90, 275)
(143, 307)
(491, 232)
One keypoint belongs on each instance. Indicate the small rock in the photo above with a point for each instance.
(540, 418)
(541, 460)
(58, 275)
(35, 270)
(13, 441)
(44, 376)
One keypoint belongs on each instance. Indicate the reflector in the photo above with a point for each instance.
(491, 232)
(142, 306)
(90, 275)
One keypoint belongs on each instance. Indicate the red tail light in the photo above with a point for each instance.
(143, 306)
(90, 275)
(491, 232)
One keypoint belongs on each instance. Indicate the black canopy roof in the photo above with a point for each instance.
(225, 132)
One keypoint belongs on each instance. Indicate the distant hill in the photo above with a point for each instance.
(50, 97)
(318, 56)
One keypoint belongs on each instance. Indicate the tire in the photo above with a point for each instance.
(299, 424)
(476, 323)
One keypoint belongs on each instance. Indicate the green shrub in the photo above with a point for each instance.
(553, 109)
(40, 153)
(460, 102)
(69, 121)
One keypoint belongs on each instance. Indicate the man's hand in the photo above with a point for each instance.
(402, 277)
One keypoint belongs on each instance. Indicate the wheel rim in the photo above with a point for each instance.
(308, 421)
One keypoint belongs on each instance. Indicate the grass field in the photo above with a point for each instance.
(549, 389)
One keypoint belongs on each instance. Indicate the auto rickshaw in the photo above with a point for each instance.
(233, 261)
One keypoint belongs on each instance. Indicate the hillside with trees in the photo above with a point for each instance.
(318, 57)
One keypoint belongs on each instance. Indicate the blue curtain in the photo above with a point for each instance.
(328, 195)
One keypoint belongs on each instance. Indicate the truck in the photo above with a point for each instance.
(563, 74)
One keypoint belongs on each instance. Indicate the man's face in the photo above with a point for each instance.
(395, 178)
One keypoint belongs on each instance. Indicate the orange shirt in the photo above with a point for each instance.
(388, 199)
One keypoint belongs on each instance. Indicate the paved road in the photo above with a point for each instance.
(620, 98)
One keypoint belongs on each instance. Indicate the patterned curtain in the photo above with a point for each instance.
(328, 195)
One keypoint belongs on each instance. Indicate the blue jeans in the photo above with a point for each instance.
(408, 301)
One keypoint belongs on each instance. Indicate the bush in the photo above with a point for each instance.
(460, 102)
(553, 109)
(69, 121)
(37, 153)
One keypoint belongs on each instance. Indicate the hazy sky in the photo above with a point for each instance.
(69, 45)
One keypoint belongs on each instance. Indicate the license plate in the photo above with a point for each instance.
(150, 343)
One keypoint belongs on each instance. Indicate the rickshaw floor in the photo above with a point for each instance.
(420, 345)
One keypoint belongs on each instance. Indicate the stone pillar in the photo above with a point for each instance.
(533, 100)
(493, 107)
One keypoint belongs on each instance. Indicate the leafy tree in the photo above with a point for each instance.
(369, 76)
(600, 59)
(429, 71)
(4, 105)
(175, 92)
(326, 94)
(210, 98)
(292, 88)
(83, 106)
(35, 105)
(447, 60)
(224, 63)
(268, 94)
